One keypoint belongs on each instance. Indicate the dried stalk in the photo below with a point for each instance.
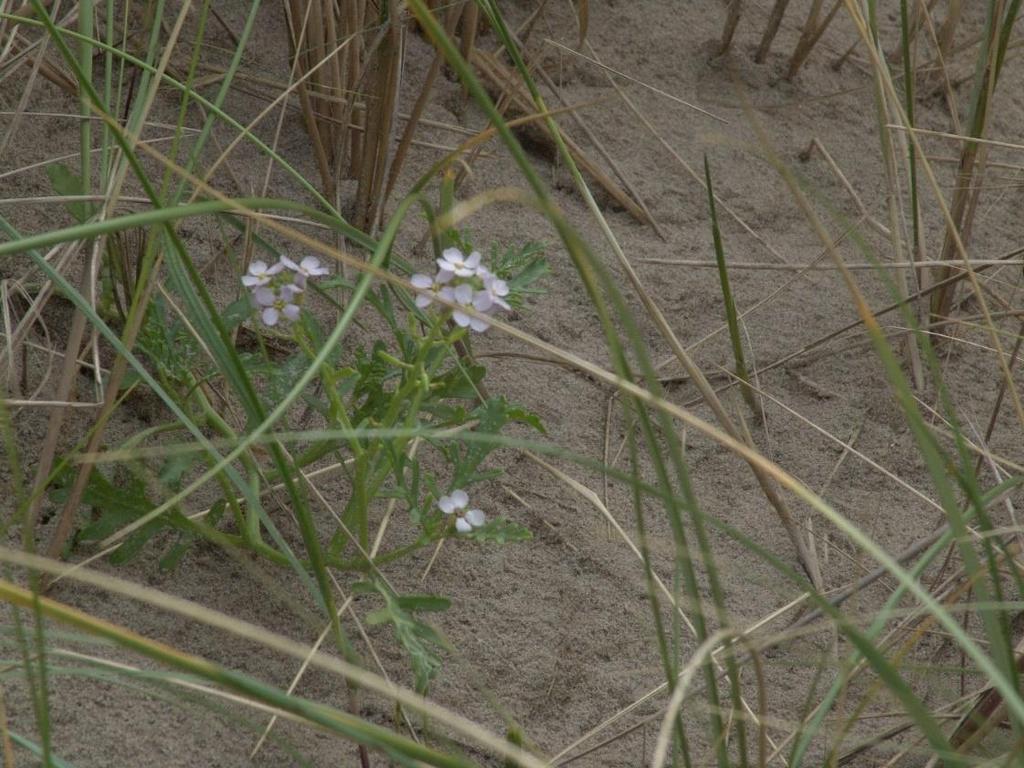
(506, 83)
(732, 20)
(810, 36)
(772, 29)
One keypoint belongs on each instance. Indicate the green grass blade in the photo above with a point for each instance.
(731, 316)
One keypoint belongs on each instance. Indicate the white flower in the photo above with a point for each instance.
(497, 289)
(464, 282)
(260, 274)
(309, 267)
(429, 286)
(454, 261)
(464, 295)
(277, 304)
(455, 504)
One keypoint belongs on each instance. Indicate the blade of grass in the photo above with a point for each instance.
(727, 299)
(333, 719)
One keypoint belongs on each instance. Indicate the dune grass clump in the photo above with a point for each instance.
(288, 361)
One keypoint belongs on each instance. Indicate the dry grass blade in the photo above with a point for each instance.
(947, 32)
(133, 323)
(470, 26)
(735, 433)
(242, 629)
(318, 128)
(637, 81)
(973, 154)
(598, 145)
(506, 83)
(54, 429)
(384, 70)
(416, 115)
(810, 35)
(732, 20)
(770, 30)
(583, 20)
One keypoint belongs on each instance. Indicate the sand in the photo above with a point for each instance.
(557, 633)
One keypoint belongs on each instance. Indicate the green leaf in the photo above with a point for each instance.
(424, 603)
(521, 268)
(174, 469)
(500, 531)
(68, 184)
(237, 312)
(420, 640)
(523, 416)
(116, 504)
(173, 556)
(492, 416)
(459, 384)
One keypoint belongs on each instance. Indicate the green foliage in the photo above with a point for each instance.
(420, 640)
(123, 500)
(169, 348)
(499, 531)
(523, 267)
(67, 183)
(491, 416)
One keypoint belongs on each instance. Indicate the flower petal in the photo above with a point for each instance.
(286, 262)
(270, 316)
(264, 296)
(478, 325)
(460, 497)
(291, 311)
(461, 319)
(475, 518)
(420, 280)
(464, 293)
(311, 266)
(482, 301)
(473, 260)
(462, 526)
(446, 504)
(423, 300)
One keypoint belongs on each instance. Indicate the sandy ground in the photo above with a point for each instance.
(558, 630)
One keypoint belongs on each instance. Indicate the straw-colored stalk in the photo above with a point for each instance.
(384, 67)
(947, 32)
(810, 36)
(772, 29)
(967, 190)
(732, 20)
(319, 30)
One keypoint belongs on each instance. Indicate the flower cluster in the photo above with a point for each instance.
(465, 282)
(455, 504)
(277, 290)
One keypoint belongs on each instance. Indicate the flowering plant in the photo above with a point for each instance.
(422, 380)
(278, 290)
(388, 413)
(465, 282)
